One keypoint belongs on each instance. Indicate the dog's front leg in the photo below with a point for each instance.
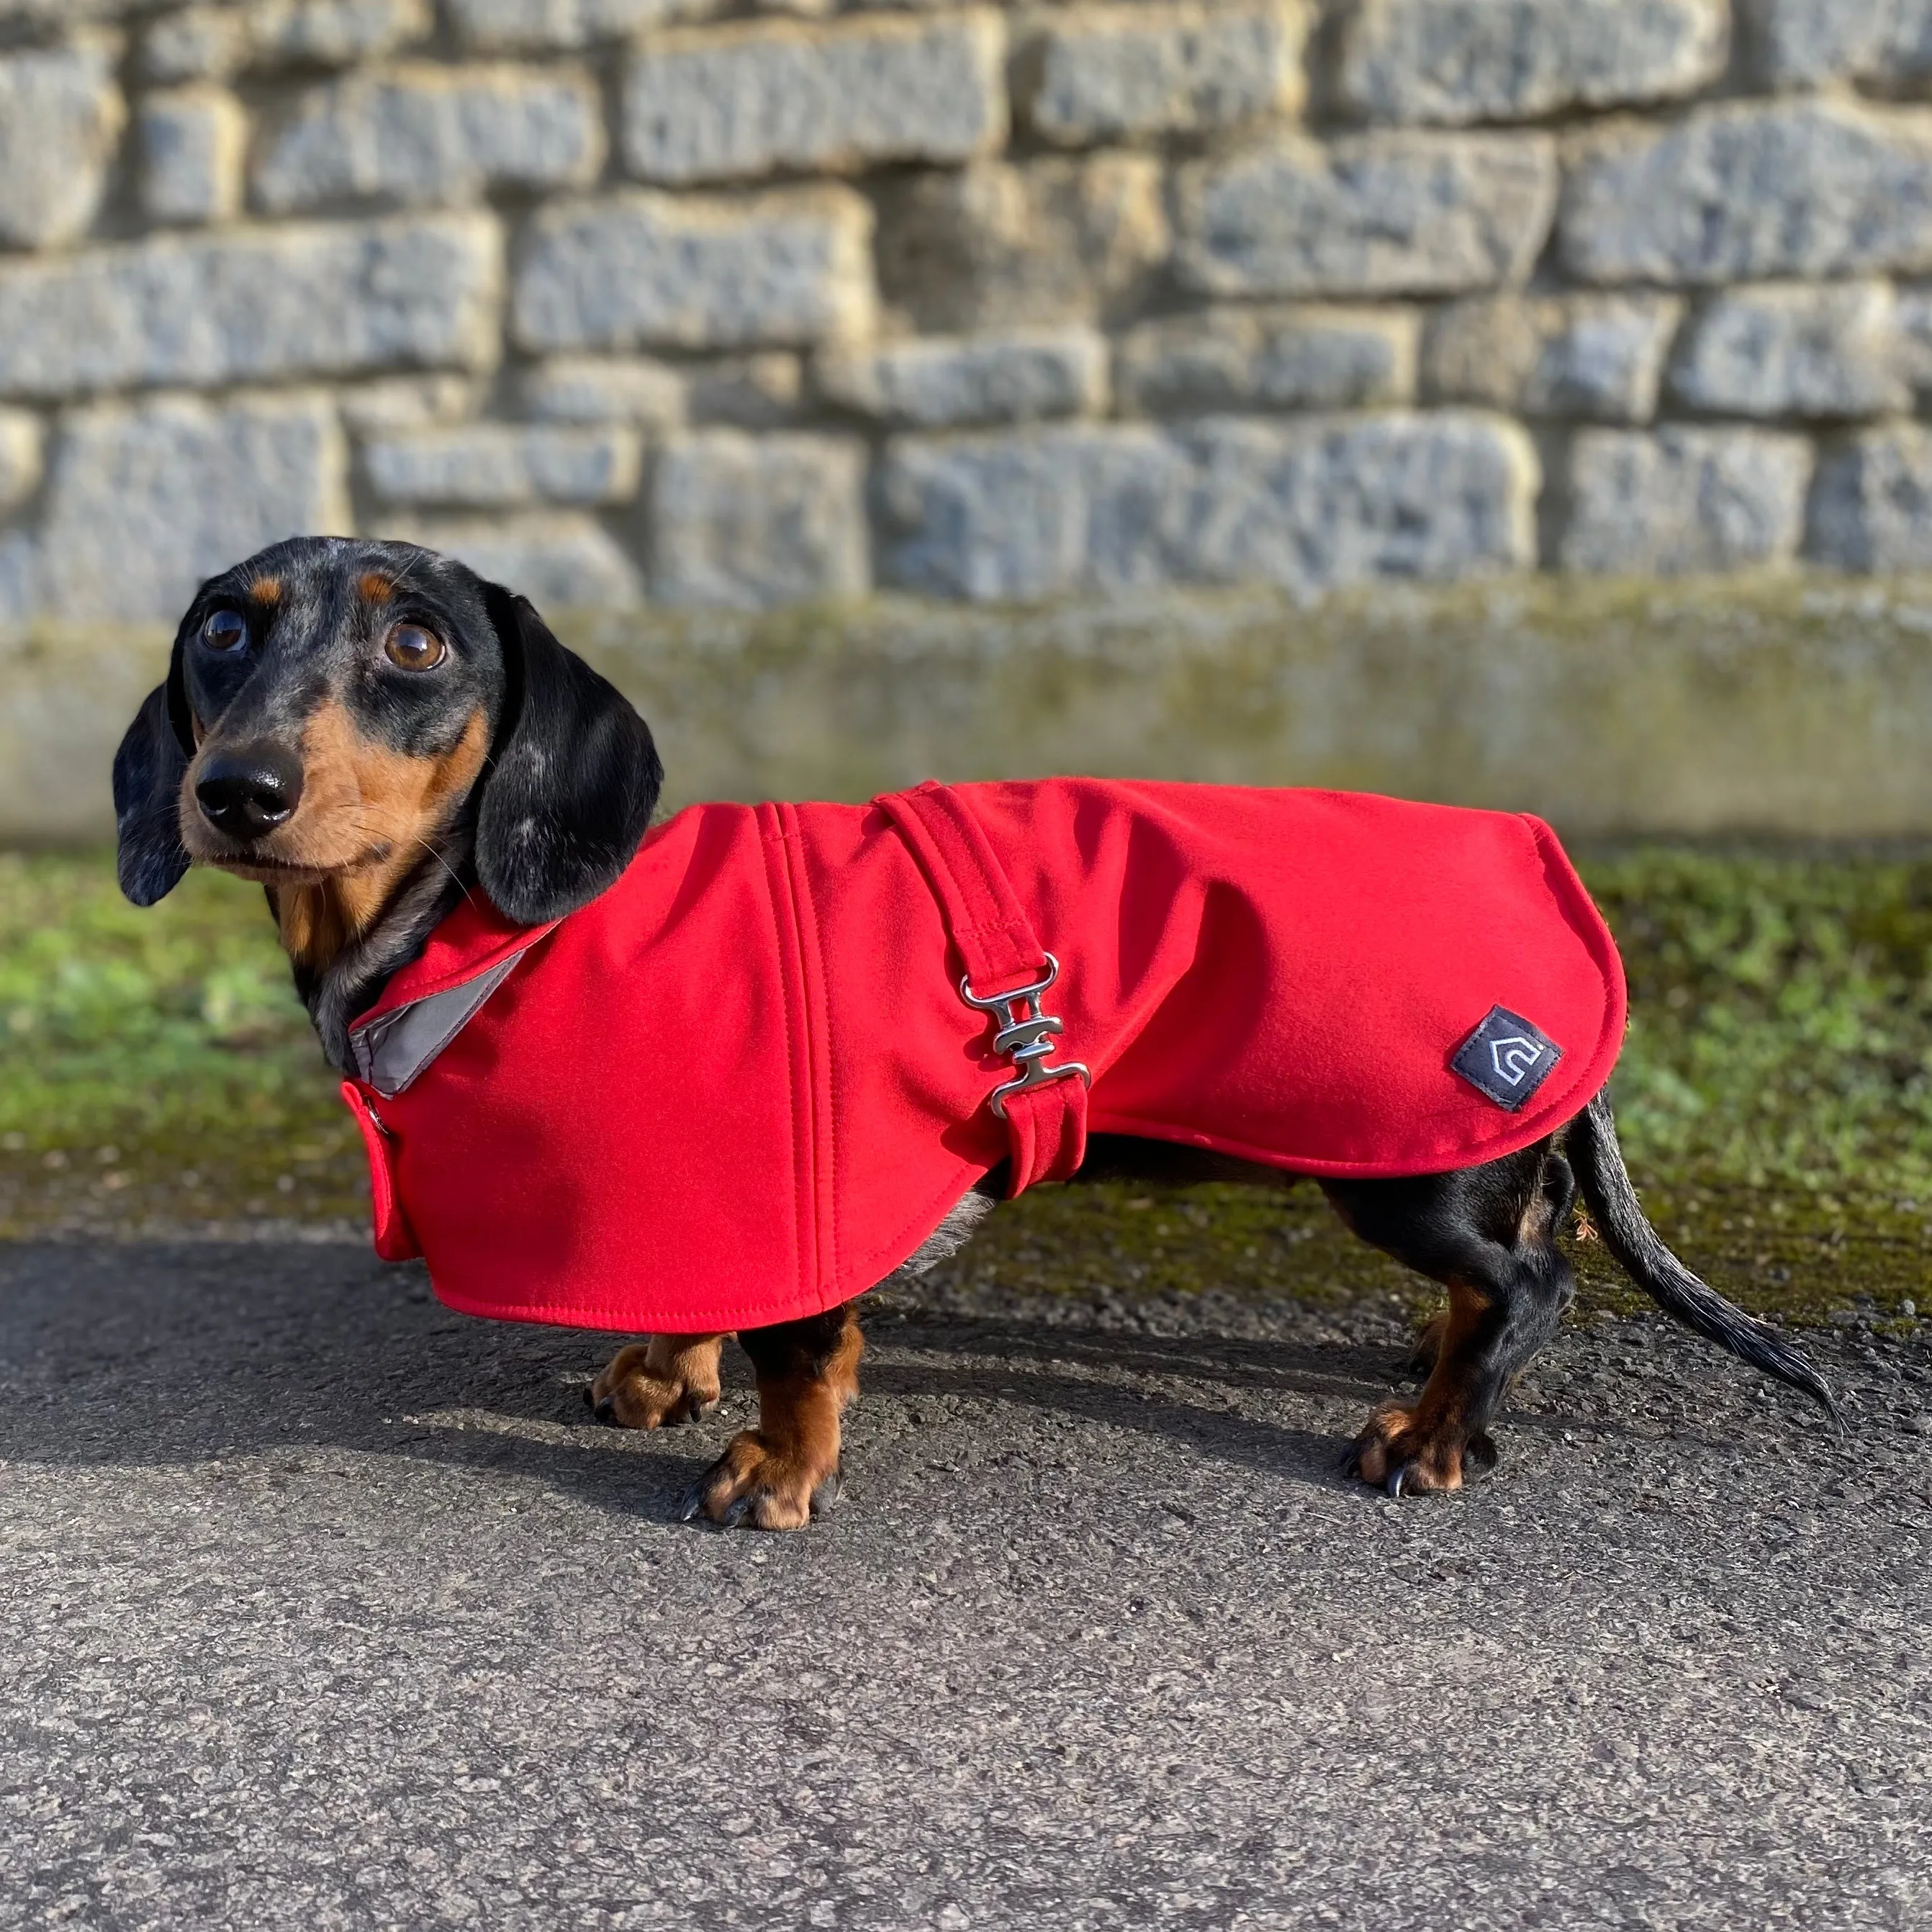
(654, 1385)
(779, 1474)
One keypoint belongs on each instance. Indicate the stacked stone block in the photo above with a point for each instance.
(750, 302)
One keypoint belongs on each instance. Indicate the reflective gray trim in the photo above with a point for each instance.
(390, 1052)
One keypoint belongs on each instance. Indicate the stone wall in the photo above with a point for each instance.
(701, 302)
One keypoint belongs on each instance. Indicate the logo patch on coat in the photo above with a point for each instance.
(1507, 1057)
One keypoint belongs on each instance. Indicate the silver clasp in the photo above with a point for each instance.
(1025, 1039)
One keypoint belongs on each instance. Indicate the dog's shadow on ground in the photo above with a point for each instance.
(119, 1354)
(1200, 1391)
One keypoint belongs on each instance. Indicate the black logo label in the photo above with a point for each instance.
(1507, 1057)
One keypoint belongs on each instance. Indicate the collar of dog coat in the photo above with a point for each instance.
(425, 1005)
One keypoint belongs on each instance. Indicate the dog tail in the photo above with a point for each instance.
(1605, 1184)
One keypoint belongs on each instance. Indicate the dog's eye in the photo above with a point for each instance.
(224, 630)
(410, 647)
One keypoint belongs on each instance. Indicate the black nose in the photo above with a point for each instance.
(249, 791)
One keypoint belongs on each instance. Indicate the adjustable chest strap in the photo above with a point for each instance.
(1007, 973)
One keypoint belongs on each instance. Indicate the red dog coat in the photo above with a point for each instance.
(742, 1085)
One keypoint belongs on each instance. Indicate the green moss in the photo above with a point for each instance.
(1775, 1096)
(1135, 1238)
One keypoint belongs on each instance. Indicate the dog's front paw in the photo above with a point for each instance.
(1402, 1451)
(649, 1386)
(754, 1485)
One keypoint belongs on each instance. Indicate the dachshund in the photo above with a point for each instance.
(375, 733)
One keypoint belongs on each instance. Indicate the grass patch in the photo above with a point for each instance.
(1775, 1096)
(157, 1064)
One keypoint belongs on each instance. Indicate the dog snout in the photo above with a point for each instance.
(246, 792)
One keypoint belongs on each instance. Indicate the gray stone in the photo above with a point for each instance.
(1600, 357)
(1020, 514)
(605, 389)
(502, 465)
(62, 13)
(745, 99)
(763, 391)
(334, 33)
(1794, 350)
(334, 300)
(538, 26)
(406, 402)
(60, 117)
(1912, 346)
(560, 560)
(434, 134)
(216, 42)
(1310, 504)
(19, 581)
(1676, 499)
(1871, 507)
(1450, 62)
(192, 145)
(1316, 505)
(938, 382)
(1745, 189)
(995, 244)
(20, 457)
(753, 520)
(1301, 358)
(638, 269)
(1373, 214)
(197, 43)
(1804, 43)
(1102, 73)
(144, 502)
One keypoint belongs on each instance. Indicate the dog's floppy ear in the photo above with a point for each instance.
(574, 775)
(149, 855)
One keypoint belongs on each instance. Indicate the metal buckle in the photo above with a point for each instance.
(1026, 1040)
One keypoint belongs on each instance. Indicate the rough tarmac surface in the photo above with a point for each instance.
(320, 1607)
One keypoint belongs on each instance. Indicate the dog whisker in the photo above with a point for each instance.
(454, 879)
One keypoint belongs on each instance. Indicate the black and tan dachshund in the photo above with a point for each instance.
(371, 731)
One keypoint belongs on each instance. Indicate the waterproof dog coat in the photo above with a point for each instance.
(744, 1084)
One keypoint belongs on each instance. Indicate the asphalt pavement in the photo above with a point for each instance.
(320, 1607)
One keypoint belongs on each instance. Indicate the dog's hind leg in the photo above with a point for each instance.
(1487, 1234)
(658, 1384)
(780, 1474)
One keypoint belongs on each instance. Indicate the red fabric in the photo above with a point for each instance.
(395, 1239)
(1046, 1130)
(741, 1086)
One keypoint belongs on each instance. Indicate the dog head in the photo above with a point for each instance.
(335, 709)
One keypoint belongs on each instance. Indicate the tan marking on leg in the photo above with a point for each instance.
(775, 1470)
(659, 1383)
(1537, 1223)
(1427, 1350)
(1426, 1440)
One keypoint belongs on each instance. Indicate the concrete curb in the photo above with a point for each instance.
(1787, 705)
